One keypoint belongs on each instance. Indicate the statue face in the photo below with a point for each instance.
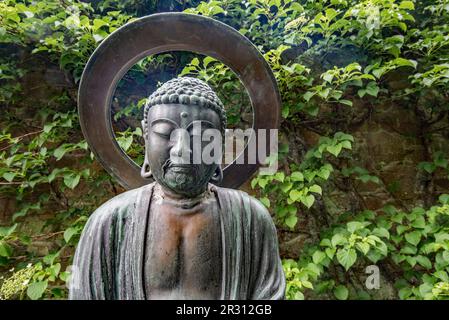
(172, 136)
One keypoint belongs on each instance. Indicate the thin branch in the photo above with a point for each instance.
(21, 138)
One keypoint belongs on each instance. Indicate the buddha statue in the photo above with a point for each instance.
(180, 236)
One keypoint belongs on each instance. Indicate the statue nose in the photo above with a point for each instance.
(180, 152)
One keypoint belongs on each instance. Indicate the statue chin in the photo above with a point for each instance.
(183, 183)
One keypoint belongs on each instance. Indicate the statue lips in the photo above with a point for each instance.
(182, 168)
(190, 169)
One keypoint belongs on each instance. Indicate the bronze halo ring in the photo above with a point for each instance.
(160, 33)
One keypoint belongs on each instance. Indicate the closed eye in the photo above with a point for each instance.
(197, 127)
(162, 129)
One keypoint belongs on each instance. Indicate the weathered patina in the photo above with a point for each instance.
(178, 234)
(180, 237)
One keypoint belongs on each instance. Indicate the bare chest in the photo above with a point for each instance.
(183, 256)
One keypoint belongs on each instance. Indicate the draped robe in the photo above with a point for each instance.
(109, 259)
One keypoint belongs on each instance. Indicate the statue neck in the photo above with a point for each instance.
(179, 200)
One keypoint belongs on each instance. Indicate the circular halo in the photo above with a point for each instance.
(160, 33)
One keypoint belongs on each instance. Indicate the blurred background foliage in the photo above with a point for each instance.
(363, 179)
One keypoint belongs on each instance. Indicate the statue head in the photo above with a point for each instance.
(175, 113)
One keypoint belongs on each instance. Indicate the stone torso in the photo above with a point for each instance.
(183, 255)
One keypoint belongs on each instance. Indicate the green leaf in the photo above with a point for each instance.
(308, 95)
(98, 23)
(23, 211)
(424, 262)
(253, 183)
(286, 186)
(443, 163)
(327, 77)
(315, 188)
(48, 127)
(401, 229)
(346, 257)
(346, 144)
(420, 222)
(307, 284)
(324, 173)
(262, 183)
(346, 102)
(69, 233)
(408, 249)
(309, 175)
(372, 89)
(36, 289)
(381, 232)
(325, 243)
(50, 258)
(285, 111)
(125, 142)
(413, 237)
(429, 167)
(7, 231)
(341, 292)
(338, 239)
(71, 180)
(354, 226)
(318, 256)
(335, 150)
(445, 256)
(59, 152)
(265, 201)
(409, 5)
(363, 247)
(343, 136)
(411, 261)
(291, 221)
(444, 198)
(279, 176)
(297, 176)
(208, 60)
(330, 252)
(405, 62)
(295, 194)
(299, 295)
(308, 200)
(404, 293)
(9, 176)
(281, 211)
(442, 275)
(195, 62)
(5, 249)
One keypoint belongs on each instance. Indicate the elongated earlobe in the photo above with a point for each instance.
(145, 171)
(217, 177)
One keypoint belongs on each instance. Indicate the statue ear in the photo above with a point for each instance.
(217, 177)
(145, 171)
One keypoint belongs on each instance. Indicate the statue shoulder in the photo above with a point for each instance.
(121, 204)
(258, 210)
